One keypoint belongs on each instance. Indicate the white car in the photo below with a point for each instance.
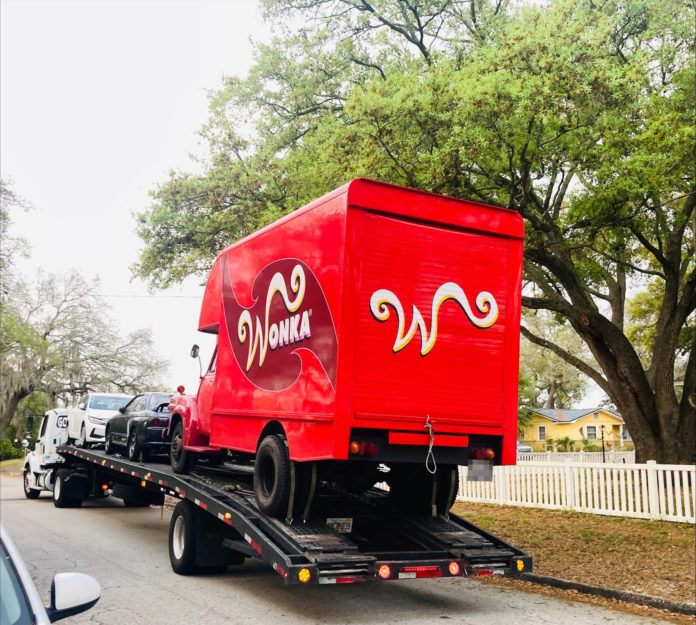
(71, 593)
(87, 422)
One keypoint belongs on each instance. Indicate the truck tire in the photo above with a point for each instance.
(29, 492)
(60, 498)
(183, 529)
(181, 460)
(272, 475)
(134, 449)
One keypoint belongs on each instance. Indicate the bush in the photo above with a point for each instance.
(8, 450)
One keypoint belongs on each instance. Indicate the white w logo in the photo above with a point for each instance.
(382, 299)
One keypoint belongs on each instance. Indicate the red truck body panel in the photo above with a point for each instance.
(375, 307)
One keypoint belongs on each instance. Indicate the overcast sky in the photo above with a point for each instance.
(99, 100)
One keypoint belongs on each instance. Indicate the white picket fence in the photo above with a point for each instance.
(578, 456)
(645, 491)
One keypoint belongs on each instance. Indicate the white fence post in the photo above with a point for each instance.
(501, 483)
(569, 486)
(653, 496)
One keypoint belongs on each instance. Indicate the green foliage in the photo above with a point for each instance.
(8, 450)
(577, 115)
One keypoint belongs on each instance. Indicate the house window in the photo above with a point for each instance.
(542, 432)
(591, 432)
(625, 435)
(596, 416)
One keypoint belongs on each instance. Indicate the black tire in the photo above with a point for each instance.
(181, 460)
(447, 487)
(272, 475)
(183, 529)
(108, 443)
(60, 499)
(83, 437)
(29, 493)
(134, 449)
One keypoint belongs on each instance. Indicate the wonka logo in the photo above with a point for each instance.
(290, 312)
(382, 299)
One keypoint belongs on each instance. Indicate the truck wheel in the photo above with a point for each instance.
(108, 443)
(182, 461)
(272, 475)
(29, 492)
(182, 539)
(60, 499)
(134, 450)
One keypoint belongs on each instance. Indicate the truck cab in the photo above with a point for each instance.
(40, 464)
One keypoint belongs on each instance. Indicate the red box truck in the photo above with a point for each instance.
(372, 335)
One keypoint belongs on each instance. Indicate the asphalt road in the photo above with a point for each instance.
(126, 550)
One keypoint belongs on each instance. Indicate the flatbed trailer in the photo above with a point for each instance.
(345, 538)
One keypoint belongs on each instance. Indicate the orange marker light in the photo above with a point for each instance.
(454, 568)
(354, 447)
(384, 571)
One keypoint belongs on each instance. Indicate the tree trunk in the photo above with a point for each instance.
(10, 407)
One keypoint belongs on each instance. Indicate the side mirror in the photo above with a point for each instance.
(122, 409)
(194, 351)
(72, 593)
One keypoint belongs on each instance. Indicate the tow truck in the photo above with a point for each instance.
(344, 538)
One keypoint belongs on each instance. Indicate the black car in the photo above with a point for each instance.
(140, 427)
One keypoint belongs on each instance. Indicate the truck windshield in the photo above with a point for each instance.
(104, 402)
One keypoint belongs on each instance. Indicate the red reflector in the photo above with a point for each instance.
(155, 421)
(362, 448)
(483, 572)
(180, 388)
(478, 454)
(370, 449)
(345, 580)
(255, 545)
(423, 571)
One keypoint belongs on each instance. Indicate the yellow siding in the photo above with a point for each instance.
(575, 430)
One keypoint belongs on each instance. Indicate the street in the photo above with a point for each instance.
(125, 549)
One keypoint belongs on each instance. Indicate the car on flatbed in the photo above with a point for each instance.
(139, 428)
(87, 422)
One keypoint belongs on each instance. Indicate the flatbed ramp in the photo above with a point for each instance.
(345, 538)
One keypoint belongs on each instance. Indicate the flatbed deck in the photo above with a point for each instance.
(345, 538)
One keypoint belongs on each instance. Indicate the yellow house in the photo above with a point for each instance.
(584, 427)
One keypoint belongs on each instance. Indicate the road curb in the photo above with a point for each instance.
(610, 593)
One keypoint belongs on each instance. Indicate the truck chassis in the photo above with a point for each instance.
(345, 539)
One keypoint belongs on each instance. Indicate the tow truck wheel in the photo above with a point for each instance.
(272, 475)
(29, 492)
(181, 460)
(60, 499)
(182, 539)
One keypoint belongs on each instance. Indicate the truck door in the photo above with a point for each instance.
(206, 391)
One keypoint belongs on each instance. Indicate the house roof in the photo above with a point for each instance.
(568, 416)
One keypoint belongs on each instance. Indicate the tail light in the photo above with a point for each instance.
(180, 388)
(361, 448)
(155, 422)
(483, 454)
